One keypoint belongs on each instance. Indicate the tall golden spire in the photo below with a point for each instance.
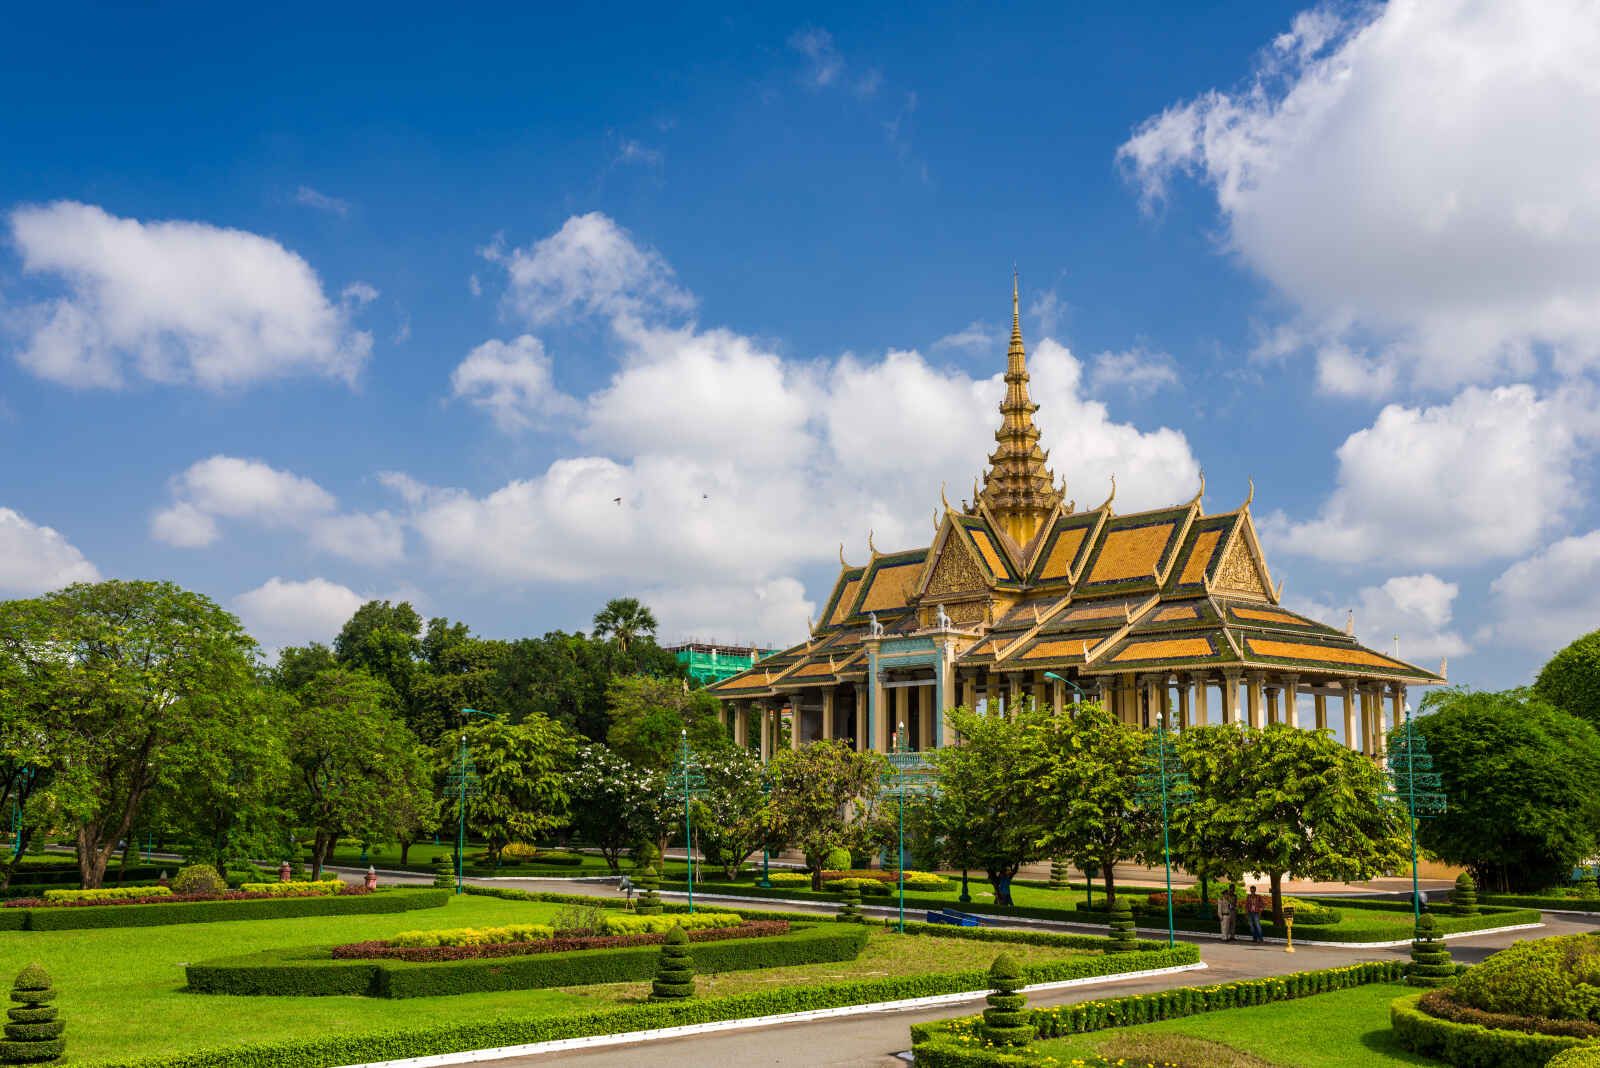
(1018, 488)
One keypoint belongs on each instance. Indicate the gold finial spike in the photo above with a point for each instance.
(943, 498)
(1201, 492)
(1350, 621)
(870, 546)
(1249, 496)
(841, 555)
(1016, 307)
(936, 517)
(1277, 595)
(1107, 502)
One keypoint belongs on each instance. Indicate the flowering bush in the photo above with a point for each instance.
(558, 944)
(915, 880)
(538, 932)
(160, 895)
(295, 889)
(105, 894)
(198, 879)
(618, 925)
(789, 878)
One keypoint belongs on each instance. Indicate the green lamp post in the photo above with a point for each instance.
(690, 779)
(766, 794)
(909, 775)
(464, 783)
(1413, 782)
(1164, 783)
(1083, 695)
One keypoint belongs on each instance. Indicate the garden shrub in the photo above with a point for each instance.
(1585, 886)
(1557, 978)
(648, 882)
(850, 911)
(1464, 897)
(1430, 958)
(1058, 873)
(1470, 1044)
(864, 887)
(33, 1033)
(837, 859)
(444, 870)
(560, 943)
(1122, 935)
(915, 880)
(331, 885)
(108, 893)
(198, 879)
(621, 925)
(1576, 1057)
(524, 853)
(675, 972)
(1441, 1004)
(1004, 1022)
(789, 878)
(474, 936)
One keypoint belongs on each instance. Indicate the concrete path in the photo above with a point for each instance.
(874, 1040)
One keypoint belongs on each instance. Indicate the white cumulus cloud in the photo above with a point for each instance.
(35, 559)
(1415, 609)
(175, 302)
(282, 612)
(1421, 173)
(512, 381)
(1545, 601)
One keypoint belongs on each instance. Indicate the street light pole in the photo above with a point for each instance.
(766, 794)
(461, 814)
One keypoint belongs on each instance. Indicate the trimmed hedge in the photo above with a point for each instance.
(1471, 1045)
(310, 972)
(1027, 938)
(956, 1043)
(68, 873)
(1541, 901)
(79, 917)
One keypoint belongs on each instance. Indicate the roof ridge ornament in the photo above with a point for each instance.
(1107, 502)
(1249, 496)
(841, 557)
(871, 546)
(1201, 492)
(1350, 622)
(943, 498)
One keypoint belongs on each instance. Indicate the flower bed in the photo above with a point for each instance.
(161, 895)
(312, 971)
(381, 950)
(103, 895)
(35, 915)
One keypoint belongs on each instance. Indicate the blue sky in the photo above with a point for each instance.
(307, 306)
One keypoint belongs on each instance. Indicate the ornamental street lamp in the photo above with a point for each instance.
(1164, 783)
(909, 775)
(1413, 783)
(464, 782)
(691, 780)
(1083, 695)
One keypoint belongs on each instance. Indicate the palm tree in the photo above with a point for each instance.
(623, 620)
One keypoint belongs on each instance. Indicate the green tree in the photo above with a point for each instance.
(566, 676)
(456, 671)
(983, 784)
(730, 818)
(299, 664)
(523, 773)
(1084, 776)
(1293, 800)
(31, 723)
(648, 716)
(357, 769)
(1199, 841)
(614, 803)
(385, 641)
(624, 620)
(1571, 679)
(1522, 784)
(140, 674)
(824, 795)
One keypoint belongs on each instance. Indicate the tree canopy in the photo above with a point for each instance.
(824, 796)
(625, 620)
(1521, 782)
(523, 771)
(1570, 680)
(986, 810)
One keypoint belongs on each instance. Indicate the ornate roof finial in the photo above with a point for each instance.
(943, 498)
(1201, 492)
(1350, 621)
(870, 546)
(1249, 496)
(841, 555)
(1107, 502)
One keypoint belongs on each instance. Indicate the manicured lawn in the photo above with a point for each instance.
(122, 989)
(887, 954)
(1344, 1029)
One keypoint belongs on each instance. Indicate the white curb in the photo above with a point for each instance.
(747, 1023)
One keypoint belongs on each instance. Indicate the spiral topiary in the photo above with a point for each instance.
(850, 911)
(675, 974)
(444, 870)
(648, 880)
(1586, 885)
(1123, 939)
(1464, 898)
(1430, 959)
(1058, 873)
(33, 1035)
(1005, 1021)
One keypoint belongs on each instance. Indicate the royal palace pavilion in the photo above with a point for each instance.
(1022, 596)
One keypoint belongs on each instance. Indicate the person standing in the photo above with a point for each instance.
(1253, 904)
(1227, 912)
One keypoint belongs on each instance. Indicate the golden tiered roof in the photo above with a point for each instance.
(1026, 583)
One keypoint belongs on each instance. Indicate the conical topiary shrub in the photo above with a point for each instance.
(444, 870)
(1058, 873)
(33, 1033)
(675, 974)
(1430, 959)
(1005, 1021)
(1464, 898)
(850, 911)
(1123, 939)
(1587, 887)
(648, 881)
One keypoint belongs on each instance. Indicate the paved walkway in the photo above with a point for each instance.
(873, 1040)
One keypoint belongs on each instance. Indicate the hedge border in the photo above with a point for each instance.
(330, 1050)
(1542, 901)
(81, 917)
(940, 1044)
(307, 972)
(1472, 1045)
